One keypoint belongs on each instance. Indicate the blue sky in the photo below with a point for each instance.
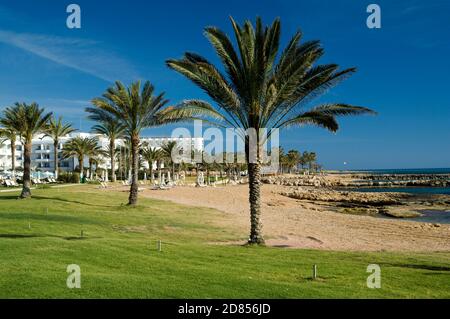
(402, 67)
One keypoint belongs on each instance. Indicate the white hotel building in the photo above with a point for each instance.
(42, 158)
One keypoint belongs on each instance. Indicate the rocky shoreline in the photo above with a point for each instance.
(397, 205)
(339, 193)
(361, 180)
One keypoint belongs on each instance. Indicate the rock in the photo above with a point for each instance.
(329, 195)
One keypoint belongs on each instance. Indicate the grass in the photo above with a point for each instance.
(118, 257)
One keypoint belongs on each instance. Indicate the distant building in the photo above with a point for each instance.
(42, 157)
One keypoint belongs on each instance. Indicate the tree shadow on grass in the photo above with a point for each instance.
(26, 236)
(50, 217)
(65, 200)
(421, 266)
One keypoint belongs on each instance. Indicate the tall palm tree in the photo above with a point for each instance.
(28, 120)
(112, 129)
(55, 129)
(136, 109)
(169, 149)
(152, 155)
(9, 133)
(80, 147)
(261, 89)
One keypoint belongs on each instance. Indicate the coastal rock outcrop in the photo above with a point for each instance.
(358, 198)
(360, 180)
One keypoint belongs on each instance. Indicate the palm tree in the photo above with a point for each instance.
(169, 149)
(136, 110)
(112, 129)
(9, 133)
(151, 155)
(56, 129)
(95, 154)
(260, 90)
(28, 120)
(293, 159)
(80, 147)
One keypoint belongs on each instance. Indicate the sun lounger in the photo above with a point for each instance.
(11, 183)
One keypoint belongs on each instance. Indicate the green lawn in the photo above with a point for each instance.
(119, 259)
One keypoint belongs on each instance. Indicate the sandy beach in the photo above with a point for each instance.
(293, 223)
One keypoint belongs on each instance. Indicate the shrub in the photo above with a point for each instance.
(69, 177)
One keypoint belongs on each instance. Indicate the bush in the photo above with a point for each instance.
(69, 177)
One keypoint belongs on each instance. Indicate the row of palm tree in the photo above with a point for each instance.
(80, 147)
(263, 87)
(293, 159)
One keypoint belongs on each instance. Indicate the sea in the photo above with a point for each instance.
(429, 216)
(414, 190)
(404, 171)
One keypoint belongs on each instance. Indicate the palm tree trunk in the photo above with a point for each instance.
(90, 168)
(55, 154)
(113, 159)
(80, 164)
(159, 171)
(152, 179)
(13, 156)
(120, 165)
(26, 189)
(254, 174)
(132, 200)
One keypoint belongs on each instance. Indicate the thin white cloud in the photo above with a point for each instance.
(78, 54)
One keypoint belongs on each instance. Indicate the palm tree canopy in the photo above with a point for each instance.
(56, 129)
(152, 154)
(262, 88)
(134, 108)
(168, 150)
(26, 119)
(7, 134)
(81, 146)
(108, 124)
